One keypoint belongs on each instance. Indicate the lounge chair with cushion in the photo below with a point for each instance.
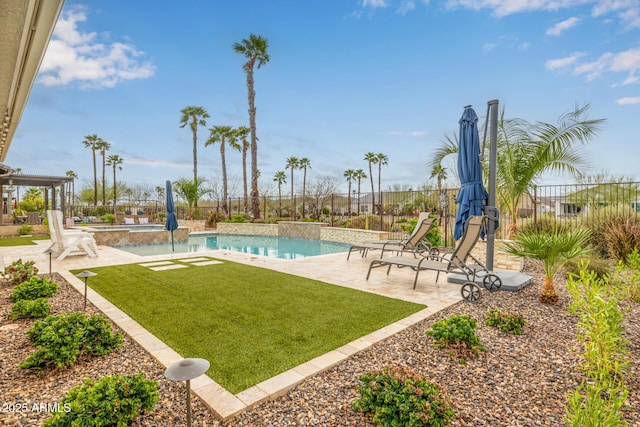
(456, 262)
(143, 220)
(415, 242)
(129, 221)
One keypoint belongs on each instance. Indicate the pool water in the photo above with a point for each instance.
(271, 246)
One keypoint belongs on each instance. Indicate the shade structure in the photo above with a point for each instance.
(172, 222)
(472, 196)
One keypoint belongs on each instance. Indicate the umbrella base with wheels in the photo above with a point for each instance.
(511, 280)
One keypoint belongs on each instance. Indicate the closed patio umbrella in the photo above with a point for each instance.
(472, 196)
(172, 222)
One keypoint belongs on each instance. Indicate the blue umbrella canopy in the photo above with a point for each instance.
(472, 196)
(171, 222)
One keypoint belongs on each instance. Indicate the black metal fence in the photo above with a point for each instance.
(385, 210)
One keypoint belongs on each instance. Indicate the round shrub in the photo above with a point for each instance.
(458, 332)
(398, 397)
(34, 288)
(36, 308)
(19, 271)
(110, 401)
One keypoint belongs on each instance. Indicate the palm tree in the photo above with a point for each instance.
(103, 146)
(440, 173)
(281, 178)
(372, 158)
(241, 134)
(292, 163)
(526, 151)
(303, 164)
(383, 159)
(360, 175)
(114, 160)
(350, 174)
(222, 134)
(72, 196)
(93, 141)
(553, 248)
(255, 50)
(194, 116)
(190, 192)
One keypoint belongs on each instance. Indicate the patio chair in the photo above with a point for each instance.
(415, 242)
(69, 242)
(129, 221)
(143, 220)
(455, 262)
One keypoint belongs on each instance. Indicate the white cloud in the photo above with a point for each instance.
(374, 3)
(622, 62)
(76, 57)
(562, 26)
(554, 64)
(406, 6)
(418, 133)
(628, 100)
(502, 8)
(627, 10)
(595, 68)
(158, 163)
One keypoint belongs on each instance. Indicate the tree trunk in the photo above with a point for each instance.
(255, 197)
(224, 178)
(548, 292)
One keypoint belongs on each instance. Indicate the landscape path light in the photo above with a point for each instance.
(49, 252)
(186, 370)
(85, 275)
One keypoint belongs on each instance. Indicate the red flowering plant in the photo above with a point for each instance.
(18, 271)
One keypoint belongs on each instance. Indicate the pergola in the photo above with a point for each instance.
(53, 185)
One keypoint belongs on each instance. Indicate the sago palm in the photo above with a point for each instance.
(553, 248)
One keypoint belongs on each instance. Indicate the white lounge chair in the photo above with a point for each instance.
(129, 221)
(69, 242)
(143, 220)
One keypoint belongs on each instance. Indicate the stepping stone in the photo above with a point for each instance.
(191, 260)
(155, 263)
(168, 267)
(209, 262)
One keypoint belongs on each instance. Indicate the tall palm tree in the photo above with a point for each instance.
(360, 175)
(526, 151)
(372, 158)
(303, 164)
(92, 141)
(438, 172)
(383, 159)
(553, 248)
(281, 178)
(222, 134)
(350, 174)
(194, 116)
(104, 146)
(72, 194)
(255, 50)
(241, 134)
(292, 163)
(115, 161)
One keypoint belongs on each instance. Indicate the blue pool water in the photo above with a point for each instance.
(277, 247)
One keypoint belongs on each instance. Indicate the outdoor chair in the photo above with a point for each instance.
(69, 242)
(415, 243)
(129, 221)
(456, 262)
(143, 220)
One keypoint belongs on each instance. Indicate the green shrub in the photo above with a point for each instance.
(25, 229)
(545, 224)
(397, 397)
(36, 308)
(18, 271)
(108, 218)
(62, 339)
(457, 332)
(239, 218)
(627, 277)
(604, 219)
(34, 288)
(506, 322)
(110, 401)
(601, 267)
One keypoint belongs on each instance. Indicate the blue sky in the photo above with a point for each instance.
(345, 78)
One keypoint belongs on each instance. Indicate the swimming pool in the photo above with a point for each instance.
(271, 246)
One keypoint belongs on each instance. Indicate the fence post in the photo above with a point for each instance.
(332, 208)
(535, 207)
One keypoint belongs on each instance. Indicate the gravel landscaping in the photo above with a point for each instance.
(520, 380)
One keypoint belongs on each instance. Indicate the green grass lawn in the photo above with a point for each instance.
(250, 323)
(21, 241)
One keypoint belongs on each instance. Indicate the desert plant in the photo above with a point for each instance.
(627, 277)
(110, 401)
(108, 218)
(19, 271)
(604, 219)
(457, 332)
(398, 397)
(62, 339)
(553, 249)
(506, 322)
(601, 267)
(623, 237)
(34, 288)
(36, 308)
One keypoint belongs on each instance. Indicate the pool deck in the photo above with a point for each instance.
(333, 269)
